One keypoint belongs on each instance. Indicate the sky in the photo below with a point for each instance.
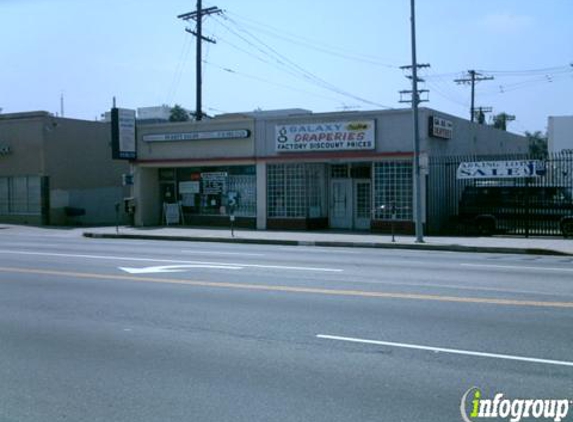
(321, 55)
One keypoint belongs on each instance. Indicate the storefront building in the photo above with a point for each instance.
(196, 166)
(296, 169)
(57, 171)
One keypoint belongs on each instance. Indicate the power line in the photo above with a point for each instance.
(179, 68)
(526, 72)
(311, 44)
(308, 75)
(510, 73)
(292, 66)
(258, 78)
(446, 96)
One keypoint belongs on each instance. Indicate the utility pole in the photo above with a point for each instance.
(480, 113)
(197, 16)
(471, 79)
(415, 92)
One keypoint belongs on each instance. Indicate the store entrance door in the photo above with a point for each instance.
(341, 203)
(167, 193)
(362, 204)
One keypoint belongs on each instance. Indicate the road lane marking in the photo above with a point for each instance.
(295, 289)
(174, 268)
(320, 249)
(517, 267)
(459, 287)
(172, 261)
(190, 251)
(445, 350)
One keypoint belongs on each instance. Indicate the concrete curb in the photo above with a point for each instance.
(340, 244)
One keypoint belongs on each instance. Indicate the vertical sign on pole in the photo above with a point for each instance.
(123, 142)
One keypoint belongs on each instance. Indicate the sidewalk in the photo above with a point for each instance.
(496, 244)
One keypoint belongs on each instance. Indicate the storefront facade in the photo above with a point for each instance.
(297, 170)
(57, 171)
(200, 167)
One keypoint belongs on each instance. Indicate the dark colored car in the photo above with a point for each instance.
(517, 209)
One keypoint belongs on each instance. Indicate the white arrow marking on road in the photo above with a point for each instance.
(174, 261)
(173, 268)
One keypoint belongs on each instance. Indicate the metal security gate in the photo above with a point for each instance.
(487, 195)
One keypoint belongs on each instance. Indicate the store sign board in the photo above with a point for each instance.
(357, 135)
(172, 213)
(189, 187)
(197, 135)
(501, 169)
(214, 183)
(123, 134)
(441, 128)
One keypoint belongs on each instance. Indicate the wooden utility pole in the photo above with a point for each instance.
(197, 16)
(472, 78)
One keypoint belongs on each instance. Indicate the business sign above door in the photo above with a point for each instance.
(197, 136)
(501, 169)
(332, 136)
(441, 128)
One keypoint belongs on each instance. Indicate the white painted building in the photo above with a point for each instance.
(560, 133)
(294, 169)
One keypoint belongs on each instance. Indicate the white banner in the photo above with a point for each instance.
(500, 169)
(332, 136)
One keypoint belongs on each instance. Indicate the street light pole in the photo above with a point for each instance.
(415, 101)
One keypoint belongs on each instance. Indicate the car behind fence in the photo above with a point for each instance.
(485, 195)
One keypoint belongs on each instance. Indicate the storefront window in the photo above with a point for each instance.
(20, 195)
(215, 190)
(393, 186)
(296, 190)
(4, 200)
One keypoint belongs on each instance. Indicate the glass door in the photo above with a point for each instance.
(362, 204)
(341, 203)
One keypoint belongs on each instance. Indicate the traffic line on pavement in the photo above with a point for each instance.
(174, 268)
(446, 350)
(517, 267)
(195, 252)
(296, 289)
(171, 261)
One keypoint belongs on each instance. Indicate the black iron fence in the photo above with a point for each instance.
(500, 194)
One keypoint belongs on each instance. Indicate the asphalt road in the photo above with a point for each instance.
(115, 330)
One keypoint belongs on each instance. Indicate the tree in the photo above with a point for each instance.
(500, 120)
(178, 114)
(537, 143)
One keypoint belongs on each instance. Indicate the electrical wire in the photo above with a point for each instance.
(312, 44)
(285, 62)
(257, 78)
(526, 72)
(180, 67)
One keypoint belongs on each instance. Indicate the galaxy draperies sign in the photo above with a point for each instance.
(322, 137)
